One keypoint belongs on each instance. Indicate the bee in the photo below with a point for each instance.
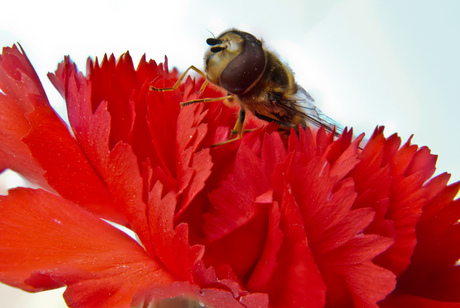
(259, 82)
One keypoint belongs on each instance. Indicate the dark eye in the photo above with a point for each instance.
(216, 49)
(213, 41)
(240, 74)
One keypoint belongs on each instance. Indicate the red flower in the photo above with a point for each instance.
(266, 221)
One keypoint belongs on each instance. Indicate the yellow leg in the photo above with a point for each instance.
(176, 85)
(205, 100)
(226, 141)
(246, 130)
(238, 129)
(205, 83)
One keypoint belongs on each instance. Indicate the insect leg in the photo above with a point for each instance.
(238, 128)
(176, 85)
(205, 100)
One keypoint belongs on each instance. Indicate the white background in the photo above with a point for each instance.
(390, 62)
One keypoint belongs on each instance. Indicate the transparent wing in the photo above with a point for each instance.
(313, 114)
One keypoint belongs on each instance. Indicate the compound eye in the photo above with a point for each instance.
(244, 70)
(213, 41)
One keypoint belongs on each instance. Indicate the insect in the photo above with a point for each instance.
(258, 82)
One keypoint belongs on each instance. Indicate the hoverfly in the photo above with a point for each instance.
(258, 82)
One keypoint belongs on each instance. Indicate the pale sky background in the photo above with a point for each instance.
(366, 63)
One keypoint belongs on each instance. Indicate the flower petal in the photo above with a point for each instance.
(408, 197)
(390, 180)
(192, 162)
(177, 135)
(121, 173)
(433, 271)
(267, 263)
(21, 90)
(46, 242)
(334, 230)
(241, 188)
(406, 300)
(239, 221)
(31, 121)
(250, 178)
(114, 81)
(116, 164)
(163, 110)
(171, 244)
(296, 281)
(68, 170)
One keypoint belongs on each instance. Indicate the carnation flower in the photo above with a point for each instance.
(270, 220)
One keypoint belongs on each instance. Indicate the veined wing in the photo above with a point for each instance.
(313, 115)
